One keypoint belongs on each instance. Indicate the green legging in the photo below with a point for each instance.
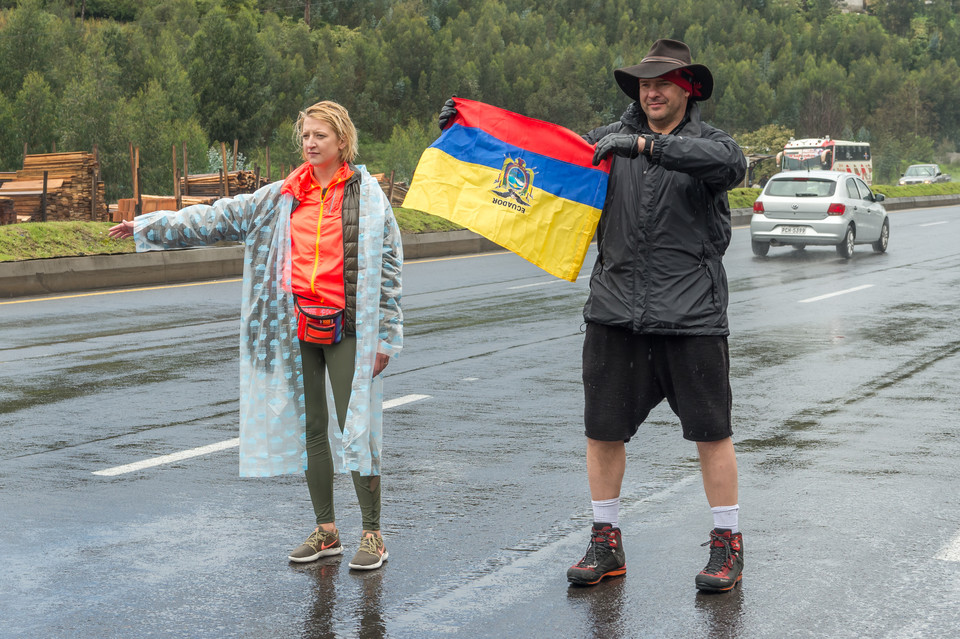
(339, 361)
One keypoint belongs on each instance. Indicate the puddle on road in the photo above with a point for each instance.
(111, 374)
(512, 310)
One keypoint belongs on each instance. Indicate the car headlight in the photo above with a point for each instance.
(927, 182)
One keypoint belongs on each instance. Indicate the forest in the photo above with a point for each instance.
(195, 73)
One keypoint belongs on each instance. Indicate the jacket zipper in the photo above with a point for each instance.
(316, 256)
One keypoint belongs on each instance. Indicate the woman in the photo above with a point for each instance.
(323, 237)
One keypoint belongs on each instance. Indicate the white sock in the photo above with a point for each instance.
(726, 517)
(607, 511)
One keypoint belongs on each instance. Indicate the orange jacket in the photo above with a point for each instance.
(316, 235)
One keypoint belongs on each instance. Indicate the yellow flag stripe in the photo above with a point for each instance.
(551, 232)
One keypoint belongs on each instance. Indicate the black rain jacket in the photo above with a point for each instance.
(664, 229)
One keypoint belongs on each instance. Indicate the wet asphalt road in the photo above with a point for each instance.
(846, 428)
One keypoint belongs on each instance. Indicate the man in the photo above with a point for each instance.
(656, 312)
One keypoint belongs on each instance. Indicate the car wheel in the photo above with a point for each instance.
(880, 246)
(845, 248)
(760, 249)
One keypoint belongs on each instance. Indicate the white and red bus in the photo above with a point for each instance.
(827, 155)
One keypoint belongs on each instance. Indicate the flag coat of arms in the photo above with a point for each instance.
(528, 185)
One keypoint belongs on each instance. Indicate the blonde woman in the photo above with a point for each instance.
(321, 297)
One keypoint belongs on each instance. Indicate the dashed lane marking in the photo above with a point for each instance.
(519, 286)
(950, 552)
(217, 447)
(829, 295)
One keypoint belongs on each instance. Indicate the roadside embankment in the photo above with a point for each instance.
(68, 274)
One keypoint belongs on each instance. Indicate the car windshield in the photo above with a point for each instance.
(801, 187)
(919, 171)
(804, 159)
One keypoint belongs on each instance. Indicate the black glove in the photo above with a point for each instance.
(624, 144)
(447, 112)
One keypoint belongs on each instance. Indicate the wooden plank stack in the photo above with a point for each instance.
(7, 213)
(126, 207)
(396, 193)
(210, 184)
(73, 180)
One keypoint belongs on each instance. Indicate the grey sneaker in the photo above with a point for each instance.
(371, 555)
(319, 544)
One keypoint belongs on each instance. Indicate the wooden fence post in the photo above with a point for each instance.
(235, 149)
(225, 190)
(96, 174)
(186, 171)
(43, 199)
(136, 180)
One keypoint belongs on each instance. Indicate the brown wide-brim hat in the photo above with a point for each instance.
(665, 56)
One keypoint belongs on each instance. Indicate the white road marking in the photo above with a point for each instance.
(168, 459)
(217, 447)
(406, 399)
(950, 552)
(935, 223)
(557, 281)
(514, 288)
(829, 295)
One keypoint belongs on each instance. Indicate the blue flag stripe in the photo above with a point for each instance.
(562, 179)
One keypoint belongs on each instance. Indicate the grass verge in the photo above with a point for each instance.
(744, 198)
(72, 239)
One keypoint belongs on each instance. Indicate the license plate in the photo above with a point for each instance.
(793, 230)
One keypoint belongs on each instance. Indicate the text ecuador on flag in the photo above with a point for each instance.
(525, 184)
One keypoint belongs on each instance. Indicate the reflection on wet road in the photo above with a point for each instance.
(844, 378)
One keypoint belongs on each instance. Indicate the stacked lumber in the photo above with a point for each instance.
(126, 207)
(72, 184)
(210, 185)
(7, 214)
(396, 193)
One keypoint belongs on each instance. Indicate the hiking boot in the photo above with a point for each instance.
(724, 569)
(604, 557)
(319, 544)
(371, 555)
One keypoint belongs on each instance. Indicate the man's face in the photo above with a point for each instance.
(663, 102)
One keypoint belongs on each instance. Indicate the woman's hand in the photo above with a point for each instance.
(380, 364)
(122, 230)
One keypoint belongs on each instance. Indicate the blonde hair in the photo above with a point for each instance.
(338, 119)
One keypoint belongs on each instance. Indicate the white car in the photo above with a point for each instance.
(818, 208)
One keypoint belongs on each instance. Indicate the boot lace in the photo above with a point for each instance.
(371, 544)
(601, 545)
(720, 553)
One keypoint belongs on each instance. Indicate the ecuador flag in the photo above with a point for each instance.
(525, 184)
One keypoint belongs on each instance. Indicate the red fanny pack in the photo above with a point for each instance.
(318, 324)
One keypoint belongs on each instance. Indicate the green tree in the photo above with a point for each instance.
(230, 78)
(34, 113)
(92, 112)
(402, 151)
(27, 43)
(153, 127)
(11, 152)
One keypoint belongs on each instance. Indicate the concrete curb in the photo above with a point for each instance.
(69, 274)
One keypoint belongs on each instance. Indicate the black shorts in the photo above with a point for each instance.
(626, 375)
